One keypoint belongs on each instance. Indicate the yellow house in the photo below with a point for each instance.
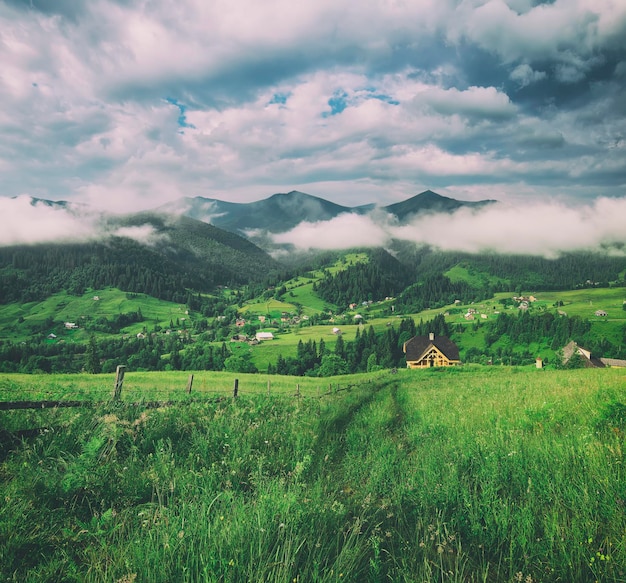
(428, 351)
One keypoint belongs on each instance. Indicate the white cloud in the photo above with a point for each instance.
(145, 234)
(84, 111)
(525, 75)
(342, 232)
(23, 222)
(537, 228)
(474, 101)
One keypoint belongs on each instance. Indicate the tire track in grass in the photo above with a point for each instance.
(330, 446)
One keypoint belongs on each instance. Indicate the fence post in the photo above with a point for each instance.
(189, 383)
(269, 384)
(236, 389)
(298, 390)
(119, 381)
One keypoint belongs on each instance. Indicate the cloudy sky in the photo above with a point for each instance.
(128, 104)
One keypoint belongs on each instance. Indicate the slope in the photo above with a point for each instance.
(182, 254)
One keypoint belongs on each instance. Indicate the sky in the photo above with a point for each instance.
(128, 104)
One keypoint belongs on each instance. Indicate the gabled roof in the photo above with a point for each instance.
(588, 360)
(418, 345)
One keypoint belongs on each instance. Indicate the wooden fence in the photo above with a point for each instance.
(116, 396)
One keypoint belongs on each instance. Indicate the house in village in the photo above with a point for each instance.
(264, 336)
(600, 313)
(428, 351)
(588, 360)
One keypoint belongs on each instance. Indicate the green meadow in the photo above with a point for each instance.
(19, 322)
(473, 474)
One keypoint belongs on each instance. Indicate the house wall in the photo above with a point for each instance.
(431, 359)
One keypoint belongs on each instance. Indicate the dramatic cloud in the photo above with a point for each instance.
(127, 105)
(546, 229)
(342, 232)
(24, 221)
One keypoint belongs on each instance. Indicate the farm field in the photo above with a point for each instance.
(466, 475)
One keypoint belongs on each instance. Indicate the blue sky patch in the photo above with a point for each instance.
(182, 117)
(280, 98)
(338, 102)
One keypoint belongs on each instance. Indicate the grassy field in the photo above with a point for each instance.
(474, 474)
(62, 308)
(172, 385)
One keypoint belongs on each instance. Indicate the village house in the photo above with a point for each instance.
(428, 351)
(264, 336)
(71, 325)
(600, 313)
(590, 361)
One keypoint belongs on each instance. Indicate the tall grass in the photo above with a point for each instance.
(486, 475)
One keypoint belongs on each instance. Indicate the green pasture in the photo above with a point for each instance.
(464, 475)
(272, 308)
(300, 291)
(148, 386)
(305, 296)
(585, 302)
(62, 307)
(473, 277)
(286, 343)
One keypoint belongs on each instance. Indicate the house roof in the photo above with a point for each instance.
(418, 345)
(616, 362)
(588, 360)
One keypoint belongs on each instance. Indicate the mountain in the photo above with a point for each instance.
(430, 202)
(183, 255)
(282, 212)
(277, 214)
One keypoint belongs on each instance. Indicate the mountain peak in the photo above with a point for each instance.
(430, 202)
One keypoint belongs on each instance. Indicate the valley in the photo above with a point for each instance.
(335, 462)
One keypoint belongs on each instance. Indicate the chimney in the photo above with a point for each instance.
(431, 336)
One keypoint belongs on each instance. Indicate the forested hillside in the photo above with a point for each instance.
(382, 275)
(186, 255)
(513, 272)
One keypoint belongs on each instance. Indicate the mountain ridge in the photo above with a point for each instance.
(282, 212)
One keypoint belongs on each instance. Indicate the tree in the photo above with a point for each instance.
(332, 365)
(92, 360)
(372, 363)
(237, 363)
